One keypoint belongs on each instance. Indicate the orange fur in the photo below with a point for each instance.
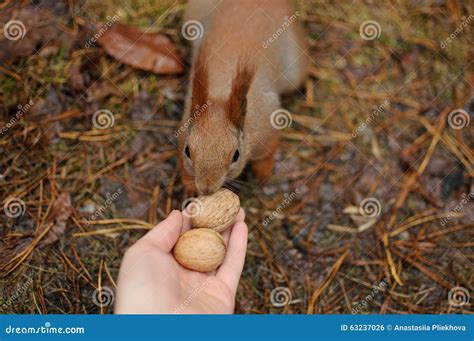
(237, 103)
(200, 82)
(235, 85)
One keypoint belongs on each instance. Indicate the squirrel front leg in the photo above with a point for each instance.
(266, 141)
(263, 168)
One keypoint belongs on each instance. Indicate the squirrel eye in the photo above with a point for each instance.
(187, 152)
(236, 156)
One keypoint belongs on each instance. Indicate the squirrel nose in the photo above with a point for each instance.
(206, 187)
(202, 189)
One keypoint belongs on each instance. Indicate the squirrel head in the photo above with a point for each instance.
(214, 148)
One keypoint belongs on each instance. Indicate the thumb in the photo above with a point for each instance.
(165, 234)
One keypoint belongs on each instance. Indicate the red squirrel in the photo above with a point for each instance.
(247, 53)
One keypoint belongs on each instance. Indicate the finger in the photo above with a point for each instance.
(240, 216)
(186, 221)
(165, 234)
(231, 269)
(226, 235)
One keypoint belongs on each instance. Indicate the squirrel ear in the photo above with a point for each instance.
(237, 105)
(200, 82)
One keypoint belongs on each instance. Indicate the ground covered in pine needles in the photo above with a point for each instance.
(369, 209)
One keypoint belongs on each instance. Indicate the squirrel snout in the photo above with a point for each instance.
(207, 186)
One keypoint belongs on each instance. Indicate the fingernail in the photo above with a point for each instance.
(173, 212)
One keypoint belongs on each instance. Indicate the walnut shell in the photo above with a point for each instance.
(200, 250)
(216, 211)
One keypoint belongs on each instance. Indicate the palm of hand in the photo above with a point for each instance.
(197, 293)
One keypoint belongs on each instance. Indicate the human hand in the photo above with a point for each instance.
(151, 281)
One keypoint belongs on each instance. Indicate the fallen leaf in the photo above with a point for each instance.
(60, 213)
(153, 52)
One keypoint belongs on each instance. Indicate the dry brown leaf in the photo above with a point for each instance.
(153, 52)
(60, 213)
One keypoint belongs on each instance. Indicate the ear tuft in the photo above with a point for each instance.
(200, 82)
(237, 104)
